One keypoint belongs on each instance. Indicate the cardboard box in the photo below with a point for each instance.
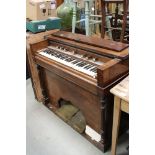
(80, 4)
(39, 9)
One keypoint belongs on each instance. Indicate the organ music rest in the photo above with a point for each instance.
(82, 70)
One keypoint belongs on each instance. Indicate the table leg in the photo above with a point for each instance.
(116, 122)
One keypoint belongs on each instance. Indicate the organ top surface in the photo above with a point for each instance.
(94, 45)
(98, 42)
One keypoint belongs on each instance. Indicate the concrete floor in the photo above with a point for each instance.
(48, 135)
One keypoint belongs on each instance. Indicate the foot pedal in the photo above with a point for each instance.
(67, 111)
(78, 122)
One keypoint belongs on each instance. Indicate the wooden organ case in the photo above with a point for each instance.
(81, 70)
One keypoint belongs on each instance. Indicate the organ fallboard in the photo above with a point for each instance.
(82, 70)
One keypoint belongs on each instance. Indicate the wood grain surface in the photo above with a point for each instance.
(122, 89)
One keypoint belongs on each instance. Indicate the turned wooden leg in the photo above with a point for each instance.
(87, 13)
(116, 122)
(74, 17)
(103, 18)
(125, 8)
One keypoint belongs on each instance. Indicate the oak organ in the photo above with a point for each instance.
(82, 70)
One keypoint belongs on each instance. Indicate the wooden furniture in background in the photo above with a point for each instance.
(125, 14)
(59, 2)
(88, 16)
(104, 4)
(121, 103)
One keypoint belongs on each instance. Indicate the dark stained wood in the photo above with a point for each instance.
(103, 11)
(87, 102)
(34, 76)
(125, 10)
(111, 71)
(59, 2)
(97, 42)
(90, 95)
(92, 49)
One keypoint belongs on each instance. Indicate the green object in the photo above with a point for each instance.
(43, 25)
(65, 12)
(53, 23)
(36, 26)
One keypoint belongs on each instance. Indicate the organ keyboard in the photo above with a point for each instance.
(81, 70)
(82, 63)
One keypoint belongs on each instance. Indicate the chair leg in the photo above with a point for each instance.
(74, 17)
(103, 18)
(125, 8)
(108, 25)
(87, 13)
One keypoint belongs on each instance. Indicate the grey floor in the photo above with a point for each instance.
(48, 135)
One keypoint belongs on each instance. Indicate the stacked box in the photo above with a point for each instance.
(43, 25)
(40, 9)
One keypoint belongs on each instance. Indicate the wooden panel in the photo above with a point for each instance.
(122, 89)
(38, 37)
(111, 71)
(125, 106)
(30, 40)
(98, 42)
(34, 75)
(86, 101)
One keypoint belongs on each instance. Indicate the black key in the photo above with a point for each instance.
(67, 58)
(47, 51)
(70, 60)
(63, 57)
(87, 67)
(95, 71)
(52, 54)
(79, 64)
(58, 55)
(94, 68)
(83, 64)
(91, 68)
(75, 62)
